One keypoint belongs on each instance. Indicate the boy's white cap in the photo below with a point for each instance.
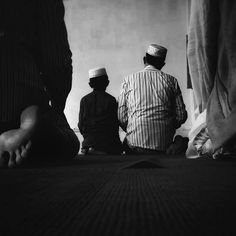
(157, 51)
(96, 72)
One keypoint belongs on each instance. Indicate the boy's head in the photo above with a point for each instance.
(155, 56)
(98, 79)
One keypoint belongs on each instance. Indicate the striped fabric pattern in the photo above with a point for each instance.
(150, 108)
(34, 56)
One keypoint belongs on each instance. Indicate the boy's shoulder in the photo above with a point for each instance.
(110, 96)
(85, 97)
(88, 95)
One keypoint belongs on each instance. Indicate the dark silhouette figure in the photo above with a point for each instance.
(35, 71)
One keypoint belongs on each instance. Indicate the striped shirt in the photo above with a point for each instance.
(150, 108)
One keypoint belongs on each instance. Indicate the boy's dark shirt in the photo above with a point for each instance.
(98, 122)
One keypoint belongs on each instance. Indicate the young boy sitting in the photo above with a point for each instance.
(98, 122)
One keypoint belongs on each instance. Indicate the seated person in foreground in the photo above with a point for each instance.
(34, 73)
(98, 122)
(151, 107)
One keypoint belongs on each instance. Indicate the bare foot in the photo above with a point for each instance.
(16, 143)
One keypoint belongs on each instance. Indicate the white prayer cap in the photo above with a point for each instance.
(157, 51)
(96, 72)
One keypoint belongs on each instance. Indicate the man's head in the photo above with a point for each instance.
(98, 79)
(155, 56)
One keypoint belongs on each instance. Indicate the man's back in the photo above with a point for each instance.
(151, 104)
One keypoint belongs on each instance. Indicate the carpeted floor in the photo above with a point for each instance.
(120, 195)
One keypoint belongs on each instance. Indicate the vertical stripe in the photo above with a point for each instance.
(152, 95)
(34, 32)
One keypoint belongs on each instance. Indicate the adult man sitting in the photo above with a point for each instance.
(151, 106)
(35, 80)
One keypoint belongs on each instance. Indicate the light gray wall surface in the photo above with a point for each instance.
(115, 34)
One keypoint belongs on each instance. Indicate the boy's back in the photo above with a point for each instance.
(98, 114)
(98, 121)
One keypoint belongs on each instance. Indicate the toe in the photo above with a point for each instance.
(11, 162)
(18, 156)
(25, 149)
(28, 145)
(23, 152)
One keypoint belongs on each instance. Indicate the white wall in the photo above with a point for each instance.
(115, 34)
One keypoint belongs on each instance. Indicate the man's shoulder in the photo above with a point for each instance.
(168, 76)
(134, 74)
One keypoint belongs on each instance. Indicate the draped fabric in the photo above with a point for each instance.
(202, 49)
(34, 56)
(212, 65)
